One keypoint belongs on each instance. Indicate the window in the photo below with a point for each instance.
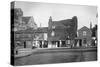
(68, 41)
(84, 33)
(84, 41)
(68, 37)
(68, 26)
(45, 36)
(53, 27)
(29, 35)
(17, 35)
(52, 33)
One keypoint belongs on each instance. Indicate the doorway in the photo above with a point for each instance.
(24, 44)
(80, 43)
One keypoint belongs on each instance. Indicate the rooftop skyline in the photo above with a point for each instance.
(42, 11)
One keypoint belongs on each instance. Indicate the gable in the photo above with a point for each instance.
(84, 32)
(26, 19)
(84, 29)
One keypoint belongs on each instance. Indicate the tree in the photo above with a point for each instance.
(94, 29)
(18, 13)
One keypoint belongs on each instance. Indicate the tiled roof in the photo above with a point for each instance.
(42, 30)
(30, 30)
(63, 23)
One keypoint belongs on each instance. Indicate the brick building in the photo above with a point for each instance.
(62, 33)
(84, 36)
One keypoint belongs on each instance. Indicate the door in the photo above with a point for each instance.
(84, 42)
(80, 42)
(24, 44)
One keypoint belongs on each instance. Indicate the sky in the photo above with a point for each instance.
(42, 11)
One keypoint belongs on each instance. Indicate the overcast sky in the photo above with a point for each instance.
(42, 11)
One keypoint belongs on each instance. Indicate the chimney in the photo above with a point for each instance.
(90, 25)
(50, 22)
